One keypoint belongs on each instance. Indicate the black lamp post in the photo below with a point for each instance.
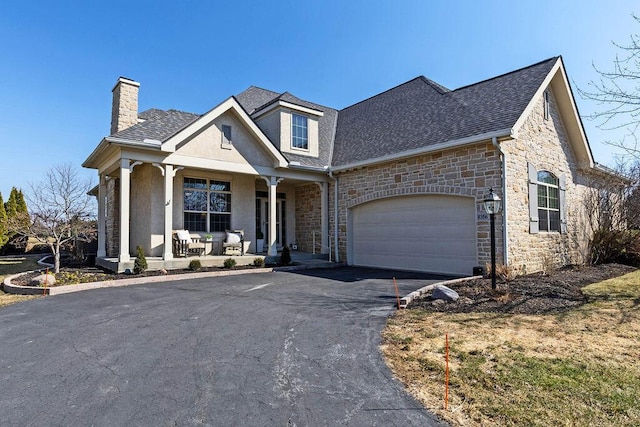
(493, 205)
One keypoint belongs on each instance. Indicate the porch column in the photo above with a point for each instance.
(272, 185)
(102, 252)
(324, 216)
(125, 188)
(168, 212)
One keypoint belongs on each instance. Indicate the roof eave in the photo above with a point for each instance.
(474, 139)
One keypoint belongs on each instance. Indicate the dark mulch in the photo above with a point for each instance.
(531, 294)
(82, 274)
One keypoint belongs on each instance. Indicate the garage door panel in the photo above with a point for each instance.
(425, 233)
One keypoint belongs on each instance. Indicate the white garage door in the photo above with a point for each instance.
(421, 233)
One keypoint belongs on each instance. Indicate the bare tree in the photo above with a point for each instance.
(618, 91)
(612, 209)
(61, 210)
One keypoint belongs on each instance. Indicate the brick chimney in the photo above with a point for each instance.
(124, 109)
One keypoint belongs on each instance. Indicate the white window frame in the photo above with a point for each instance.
(548, 188)
(295, 138)
(227, 140)
(208, 212)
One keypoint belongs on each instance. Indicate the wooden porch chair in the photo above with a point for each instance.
(234, 242)
(184, 244)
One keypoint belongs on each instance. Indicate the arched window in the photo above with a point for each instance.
(548, 201)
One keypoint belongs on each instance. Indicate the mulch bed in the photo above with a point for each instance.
(531, 294)
(76, 275)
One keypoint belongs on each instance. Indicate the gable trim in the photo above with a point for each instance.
(559, 84)
(288, 105)
(428, 149)
(206, 119)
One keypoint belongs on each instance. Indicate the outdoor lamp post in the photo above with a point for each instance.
(493, 205)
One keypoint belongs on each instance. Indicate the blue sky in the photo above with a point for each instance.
(60, 59)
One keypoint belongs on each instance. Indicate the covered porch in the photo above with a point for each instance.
(145, 203)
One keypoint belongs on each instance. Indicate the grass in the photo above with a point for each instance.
(13, 265)
(575, 368)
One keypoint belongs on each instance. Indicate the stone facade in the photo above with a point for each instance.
(544, 143)
(124, 108)
(464, 171)
(308, 209)
(112, 225)
(471, 171)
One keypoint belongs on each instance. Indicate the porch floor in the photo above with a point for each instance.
(157, 263)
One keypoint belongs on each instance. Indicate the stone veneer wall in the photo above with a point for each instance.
(465, 171)
(113, 217)
(544, 143)
(308, 211)
(124, 106)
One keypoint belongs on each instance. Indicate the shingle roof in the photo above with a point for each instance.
(255, 99)
(158, 125)
(421, 113)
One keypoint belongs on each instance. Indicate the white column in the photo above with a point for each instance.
(272, 184)
(125, 189)
(168, 212)
(102, 252)
(324, 216)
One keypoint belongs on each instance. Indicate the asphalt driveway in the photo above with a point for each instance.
(273, 349)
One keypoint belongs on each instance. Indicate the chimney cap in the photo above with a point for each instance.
(125, 80)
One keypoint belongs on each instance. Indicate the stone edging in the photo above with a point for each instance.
(404, 302)
(10, 288)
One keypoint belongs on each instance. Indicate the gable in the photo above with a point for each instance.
(557, 84)
(210, 143)
(209, 126)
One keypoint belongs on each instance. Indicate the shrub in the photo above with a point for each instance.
(229, 263)
(258, 262)
(506, 273)
(615, 246)
(285, 257)
(140, 264)
(195, 265)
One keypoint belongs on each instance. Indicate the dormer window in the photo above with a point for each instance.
(299, 132)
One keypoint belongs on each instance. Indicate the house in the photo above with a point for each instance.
(396, 180)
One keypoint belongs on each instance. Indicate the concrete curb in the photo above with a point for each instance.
(404, 302)
(10, 288)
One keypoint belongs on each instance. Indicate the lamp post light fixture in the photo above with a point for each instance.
(493, 205)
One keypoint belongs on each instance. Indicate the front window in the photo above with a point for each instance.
(207, 205)
(299, 132)
(548, 202)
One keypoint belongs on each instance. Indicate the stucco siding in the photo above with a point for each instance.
(244, 148)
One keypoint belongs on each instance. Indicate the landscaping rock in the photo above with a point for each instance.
(441, 292)
(44, 280)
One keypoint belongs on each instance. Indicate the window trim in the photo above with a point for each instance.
(306, 132)
(546, 105)
(548, 187)
(208, 212)
(226, 142)
(532, 173)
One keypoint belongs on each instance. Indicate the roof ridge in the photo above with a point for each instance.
(422, 78)
(507, 73)
(182, 111)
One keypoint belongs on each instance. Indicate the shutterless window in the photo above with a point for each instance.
(299, 132)
(548, 202)
(207, 205)
(226, 134)
(546, 105)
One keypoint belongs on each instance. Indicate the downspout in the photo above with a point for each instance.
(505, 234)
(336, 255)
